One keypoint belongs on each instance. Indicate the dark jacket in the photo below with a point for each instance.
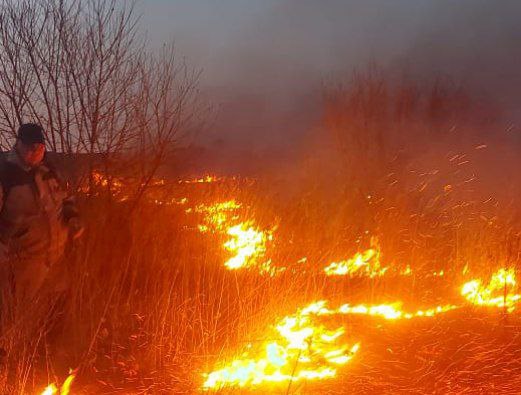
(35, 211)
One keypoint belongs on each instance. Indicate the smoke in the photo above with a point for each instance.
(265, 63)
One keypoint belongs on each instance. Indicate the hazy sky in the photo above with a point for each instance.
(264, 60)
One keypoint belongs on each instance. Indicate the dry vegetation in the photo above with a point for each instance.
(149, 305)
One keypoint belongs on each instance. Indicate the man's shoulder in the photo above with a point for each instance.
(11, 174)
(8, 157)
(9, 162)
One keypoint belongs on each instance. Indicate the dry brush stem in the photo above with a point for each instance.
(80, 69)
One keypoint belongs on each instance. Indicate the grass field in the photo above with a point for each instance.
(366, 268)
(151, 306)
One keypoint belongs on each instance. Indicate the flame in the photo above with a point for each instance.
(217, 216)
(366, 262)
(65, 389)
(393, 311)
(102, 180)
(246, 242)
(307, 350)
(248, 246)
(202, 180)
(52, 389)
(499, 292)
(407, 271)
(390, 311)
(304, 351)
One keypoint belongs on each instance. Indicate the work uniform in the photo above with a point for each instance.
(34, 217)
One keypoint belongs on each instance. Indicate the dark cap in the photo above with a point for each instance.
(31, 133)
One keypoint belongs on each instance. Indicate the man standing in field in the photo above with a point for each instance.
(37, 217)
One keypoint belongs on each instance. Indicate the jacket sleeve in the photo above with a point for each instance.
(69, 208)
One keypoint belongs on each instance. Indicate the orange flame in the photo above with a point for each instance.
(249, 245)
(246, 243)
(499, 292)
(392, 311)
(52, 389)
(217, 216)
(305, 351)
(202, 180)
(366, 263)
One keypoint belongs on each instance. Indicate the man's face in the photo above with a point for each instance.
(31, 154)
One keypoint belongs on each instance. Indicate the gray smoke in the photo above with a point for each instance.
(264, 61)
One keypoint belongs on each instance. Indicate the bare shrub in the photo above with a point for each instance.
(378, 125)
(80, 70)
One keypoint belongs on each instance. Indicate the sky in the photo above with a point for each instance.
(265, 62)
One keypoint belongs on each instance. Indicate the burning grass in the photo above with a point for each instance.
(215, 285)
(376, 268)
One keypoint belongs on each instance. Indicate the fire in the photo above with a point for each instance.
(248, 246)
(392, 311)
(499, 292)
(101, 179)
(366, 263)
(304, 350)
(307, 350)
(202, 180)
(217, 216)
(407, 271)
(246, 242)
(52, 389)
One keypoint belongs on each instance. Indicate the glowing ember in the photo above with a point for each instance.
(304, 351)
(363, 263)
(499, 292)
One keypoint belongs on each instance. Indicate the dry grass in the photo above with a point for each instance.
(150, 306)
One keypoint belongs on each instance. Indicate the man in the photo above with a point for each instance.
(37, 217)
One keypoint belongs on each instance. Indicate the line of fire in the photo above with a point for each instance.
(297, 197)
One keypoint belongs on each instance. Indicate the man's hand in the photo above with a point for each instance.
(76, 228)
